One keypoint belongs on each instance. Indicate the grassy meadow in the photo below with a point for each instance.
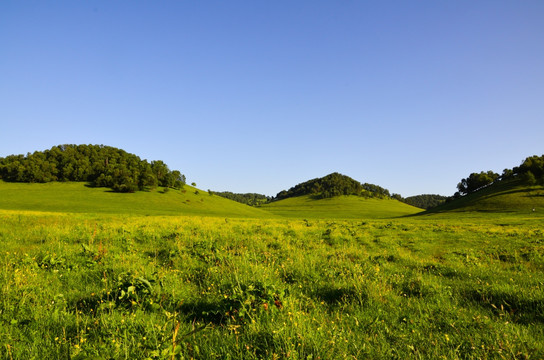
(129, 286)
(77, 197)
(339, 207)
(503, 197)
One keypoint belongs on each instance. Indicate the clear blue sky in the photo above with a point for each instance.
(257, 96)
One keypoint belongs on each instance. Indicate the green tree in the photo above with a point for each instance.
(98, 164)
(530, 178)
(476, 181)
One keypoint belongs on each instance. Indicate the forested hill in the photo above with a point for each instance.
(425, 201)
(102, 166)
(530, 172)
(334, 184)
(251, 199)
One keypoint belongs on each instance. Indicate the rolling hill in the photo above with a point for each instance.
(502, 197)
(337, 196)
(96, 178)
(332, 196)
(339, 207)
(78, 197)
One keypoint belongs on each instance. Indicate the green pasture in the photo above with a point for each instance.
(91, 274)
(509, 197)
(77, 197)
(340, 207)
(106, 286)
(80, 198)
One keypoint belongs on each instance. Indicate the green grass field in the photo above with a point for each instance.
(79, 198)
(510, 197)
(122, 282)
(341, 207)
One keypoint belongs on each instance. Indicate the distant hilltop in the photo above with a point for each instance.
(331, 185)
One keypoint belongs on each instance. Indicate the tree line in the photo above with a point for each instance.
(101, 166)
(425, 201)
(530, 172)
(251, 199)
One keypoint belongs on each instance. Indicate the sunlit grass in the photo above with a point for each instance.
(341, 207)
(79, 198)
(506, 198)
(162, 287)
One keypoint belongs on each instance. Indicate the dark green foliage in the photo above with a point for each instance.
(425, 201)
(132, 289)
(507, 174)
(533, 164)
(102, 166)
(251, 199)
(476, 181)
(371, 190)
(336, 295)
(334, 184)
(529, 178)
(240, 304)
(530, 172)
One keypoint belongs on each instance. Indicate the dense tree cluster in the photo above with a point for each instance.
(334, 184)
(530, 172)
(251, 199)
(425, 201)
(328, 186)
(476, 181)
(375, 191)
(100, 165)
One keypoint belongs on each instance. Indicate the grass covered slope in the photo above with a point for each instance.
(509, 197)
(339, 207)
(76, 197)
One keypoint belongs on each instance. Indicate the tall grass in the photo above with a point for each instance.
(77, 286)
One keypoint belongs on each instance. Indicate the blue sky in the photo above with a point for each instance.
(257, 96)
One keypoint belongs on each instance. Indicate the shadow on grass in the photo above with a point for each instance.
(238, 304)
(460, 210)
(509, 192)
(500, 189)
(413, 287)
(444, 271)
(215, 312)
(92, 186)
(523, 311)
(535, 196)
(334, 296)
